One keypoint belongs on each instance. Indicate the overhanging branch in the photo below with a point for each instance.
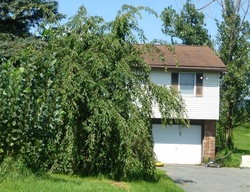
(206, 5)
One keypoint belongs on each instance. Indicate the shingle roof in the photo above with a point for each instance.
(187, 58)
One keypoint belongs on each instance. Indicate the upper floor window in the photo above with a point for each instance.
(188, 83)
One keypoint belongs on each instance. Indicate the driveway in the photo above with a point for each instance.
(193, 178)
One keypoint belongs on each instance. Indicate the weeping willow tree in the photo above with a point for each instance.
(82, 103)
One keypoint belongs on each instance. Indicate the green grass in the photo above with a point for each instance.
(242, 145)
(66, 183)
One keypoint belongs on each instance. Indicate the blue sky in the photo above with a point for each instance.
(150, 24)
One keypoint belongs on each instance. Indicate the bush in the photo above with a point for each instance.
(224, 156)
(12, 168)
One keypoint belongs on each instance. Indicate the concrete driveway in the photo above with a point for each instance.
(193, 178)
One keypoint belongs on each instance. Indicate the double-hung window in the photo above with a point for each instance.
(188, 83)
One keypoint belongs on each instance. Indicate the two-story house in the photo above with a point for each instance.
(196, 77)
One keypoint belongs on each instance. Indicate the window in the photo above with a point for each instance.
(187, 83)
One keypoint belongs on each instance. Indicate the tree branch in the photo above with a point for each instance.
(246, 12)
(206, 5)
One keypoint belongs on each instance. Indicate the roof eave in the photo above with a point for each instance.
(188, 68)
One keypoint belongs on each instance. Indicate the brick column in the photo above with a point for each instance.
(209, 139)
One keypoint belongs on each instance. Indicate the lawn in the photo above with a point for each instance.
(66, 183)
(242, 145)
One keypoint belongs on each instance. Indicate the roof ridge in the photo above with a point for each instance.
(173, 45)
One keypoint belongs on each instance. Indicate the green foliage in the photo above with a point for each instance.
(224, 156)
(17, 18)
(233, 35)
(30, 107)
(188, 25)
(13, 169)
(242, 145)
(82, 103)
(221, 137)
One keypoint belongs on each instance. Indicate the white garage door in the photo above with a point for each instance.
(173, 146)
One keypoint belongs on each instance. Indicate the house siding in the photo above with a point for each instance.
(200, 108)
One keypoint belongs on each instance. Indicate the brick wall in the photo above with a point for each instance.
(209, 139)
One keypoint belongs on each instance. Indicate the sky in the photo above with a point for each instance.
(149, 23)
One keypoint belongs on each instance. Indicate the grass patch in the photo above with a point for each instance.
(66, 183)
(242, 145)
(165, 184)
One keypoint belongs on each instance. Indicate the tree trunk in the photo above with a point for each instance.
(229, 128)
(229, 138)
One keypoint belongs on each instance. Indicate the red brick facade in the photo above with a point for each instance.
(209, 139)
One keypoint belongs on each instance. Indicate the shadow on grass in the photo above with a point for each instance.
(58, 178)
(241, 151)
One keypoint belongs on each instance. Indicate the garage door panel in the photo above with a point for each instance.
(172, 147)
(176, 135)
